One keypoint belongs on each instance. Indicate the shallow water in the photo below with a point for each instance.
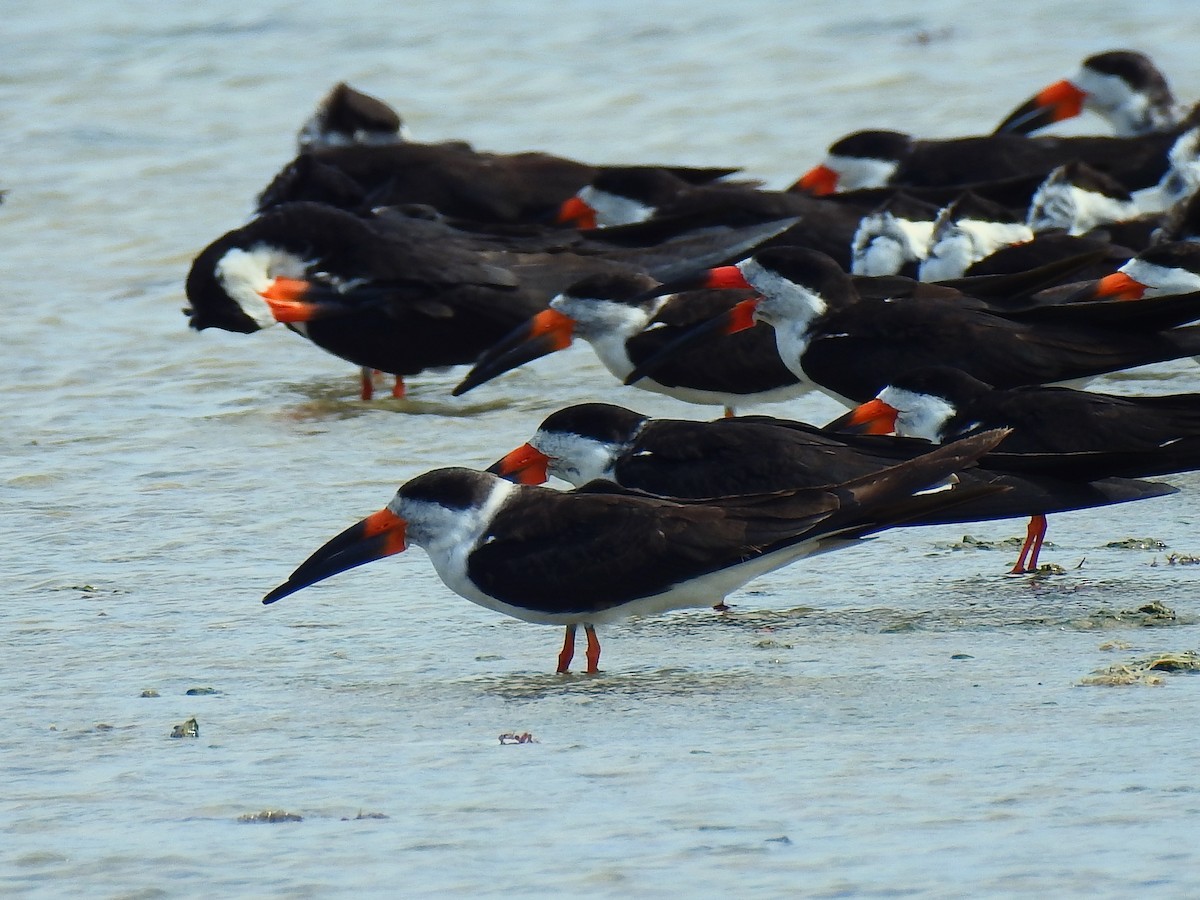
(895, 719)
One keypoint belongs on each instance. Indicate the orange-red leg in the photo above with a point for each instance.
(367, 382)
(398, 389)
(568, 650)
(1034, 535)
(729, 413)
(1037, 541)
(593, 649)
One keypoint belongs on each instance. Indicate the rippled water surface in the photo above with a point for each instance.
(897, 719)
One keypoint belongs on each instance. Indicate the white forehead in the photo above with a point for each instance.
(613, 209)
(1103, 91)
(597, 317)
(1162, 280)
(576, 458)
(856, 172)
(917, 415)
(434, 526)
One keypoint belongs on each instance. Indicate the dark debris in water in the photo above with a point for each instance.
(200, 691)
(969, 542)
(512, 737)
(269, 816)
(1148, 615)
(1145, 671)
(771, 644)
(365, 815)
(1179, 559)
(1047, 569)
(1132, 543)
(149, 692)
(89, 590)
(190, 728)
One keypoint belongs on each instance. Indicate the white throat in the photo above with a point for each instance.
(918, 415)
(244, 274)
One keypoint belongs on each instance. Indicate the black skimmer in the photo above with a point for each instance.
(688, 459)
(453, 178)
(400, 295)
(893, 239)
(966, 231)
(849, 346)
(1124, 87)
(1077, 198)
(592, 556)
(655, 198)
(876, 159)
(1079, 434)
(1180, 223)
(625, 326)
(347, 116)
(970, 236)
(1162, 270)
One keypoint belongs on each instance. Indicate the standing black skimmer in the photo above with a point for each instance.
(1122, 86)
(355, 152)
(592, 556)
(453, 178)
(625, 327)
(1076, 433)
(401, 295)
(655, 197)
(876, 159)
(687, 459)
(850, 346)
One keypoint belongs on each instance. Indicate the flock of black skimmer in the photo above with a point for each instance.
(942, 290)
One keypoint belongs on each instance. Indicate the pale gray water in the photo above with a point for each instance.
(898, 719)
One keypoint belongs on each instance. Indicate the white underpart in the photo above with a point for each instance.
(1128, 111)
(884, 244)
(1161, 281)
(1059, 205)
(243, 274)
(855, 172)
(966, 242)
(575, 458)
(613, 209)
(918, 415)
(1182, 178)
(707, 590)
(606, 326)
(449, 535)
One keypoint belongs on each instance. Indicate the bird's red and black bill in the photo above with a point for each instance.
(525, 465)
(1061, 100)
(378, 535)
(872, 417)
